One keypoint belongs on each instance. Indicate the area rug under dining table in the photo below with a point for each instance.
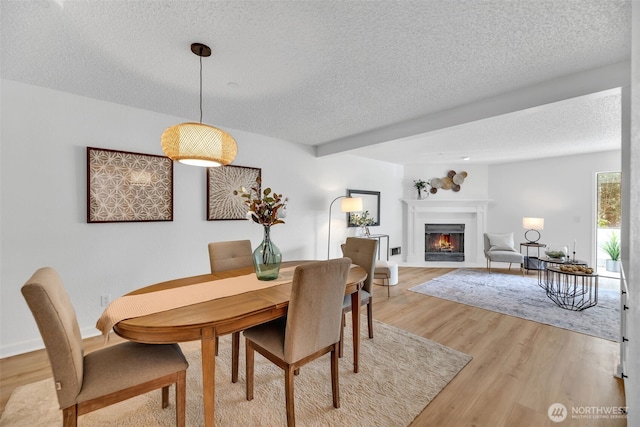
(520, 296)
(400, 373)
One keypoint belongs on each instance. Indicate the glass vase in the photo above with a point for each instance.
(267, 258)
(363, 231)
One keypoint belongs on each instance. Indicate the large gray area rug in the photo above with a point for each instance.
(520, 296)
(400, 373)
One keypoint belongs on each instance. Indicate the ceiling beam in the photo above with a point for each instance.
(559, 89)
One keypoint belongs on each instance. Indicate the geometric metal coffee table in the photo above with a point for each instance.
(572, 290)
(552, 262)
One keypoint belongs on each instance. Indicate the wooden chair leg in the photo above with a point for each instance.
(341, 345)
(70, 416)
(335, 387)
(249, 369)
(181, 399)
(288, 392)
(235, 355)
(165, 397)
(370, 317)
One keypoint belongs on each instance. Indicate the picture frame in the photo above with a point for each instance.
(222, 182)
(124, 186)
(370, 202)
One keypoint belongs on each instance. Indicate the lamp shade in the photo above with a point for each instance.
(198, 144)
(533, 223)
(351, 204)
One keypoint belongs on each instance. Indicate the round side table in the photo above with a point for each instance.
(546, 261)
(572, 290)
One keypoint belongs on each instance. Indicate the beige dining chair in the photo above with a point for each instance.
(230, 255)
(87, 382)
(224, 256)
(310, 329)
(362, 252)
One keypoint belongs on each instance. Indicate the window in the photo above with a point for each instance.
(608, 221)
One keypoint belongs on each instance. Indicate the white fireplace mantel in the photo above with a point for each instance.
(471, 212)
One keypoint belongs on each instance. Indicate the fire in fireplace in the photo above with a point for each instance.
(444, 242)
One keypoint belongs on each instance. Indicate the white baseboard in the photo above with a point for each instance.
(37, 344)
(463, 264)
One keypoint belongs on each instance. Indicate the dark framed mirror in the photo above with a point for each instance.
(370, 202)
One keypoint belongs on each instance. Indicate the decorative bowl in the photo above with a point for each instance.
(555, 254)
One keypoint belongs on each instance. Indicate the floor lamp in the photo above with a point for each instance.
(347, 204)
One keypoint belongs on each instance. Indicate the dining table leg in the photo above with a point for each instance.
(208, 342)
(355, 319)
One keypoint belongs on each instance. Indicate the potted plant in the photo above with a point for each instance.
(420, 185)
(612, 248)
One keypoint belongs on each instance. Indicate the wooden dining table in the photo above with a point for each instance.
(206, 320)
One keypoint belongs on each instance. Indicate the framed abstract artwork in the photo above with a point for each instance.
(128, 187)
(222, 181)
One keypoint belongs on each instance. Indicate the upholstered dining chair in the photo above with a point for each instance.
(310, 329)
(224, 256)
(230, 255)
(87, 382)
(362, 252)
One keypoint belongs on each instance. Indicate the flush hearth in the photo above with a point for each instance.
(444, 242)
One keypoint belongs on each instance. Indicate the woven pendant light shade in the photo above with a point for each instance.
(197, 144)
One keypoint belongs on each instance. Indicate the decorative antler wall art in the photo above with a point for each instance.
(452, 182)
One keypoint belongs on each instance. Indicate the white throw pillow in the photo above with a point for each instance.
(501, 242)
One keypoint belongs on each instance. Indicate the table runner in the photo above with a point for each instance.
(130, 306)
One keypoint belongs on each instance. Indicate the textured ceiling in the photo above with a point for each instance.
(578, 125)
(314, 72)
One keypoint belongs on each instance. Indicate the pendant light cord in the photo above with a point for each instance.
(200, 87)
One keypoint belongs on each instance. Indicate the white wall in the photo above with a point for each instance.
(631, 221)
(475, 185)
(561, 190)
(44, 137)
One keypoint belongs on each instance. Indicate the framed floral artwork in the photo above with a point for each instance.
(128, 187)
(223, 185)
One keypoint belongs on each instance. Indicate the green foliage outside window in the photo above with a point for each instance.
(609, 205)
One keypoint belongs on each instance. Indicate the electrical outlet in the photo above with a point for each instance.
(396, 251)
(105, 300)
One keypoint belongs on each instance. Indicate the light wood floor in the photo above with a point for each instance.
(519, 367)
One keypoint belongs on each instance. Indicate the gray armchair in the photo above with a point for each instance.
(500, 248)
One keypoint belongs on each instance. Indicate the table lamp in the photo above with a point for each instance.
(347, 204)
(532, 225)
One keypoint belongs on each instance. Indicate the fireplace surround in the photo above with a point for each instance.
(472, 213)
